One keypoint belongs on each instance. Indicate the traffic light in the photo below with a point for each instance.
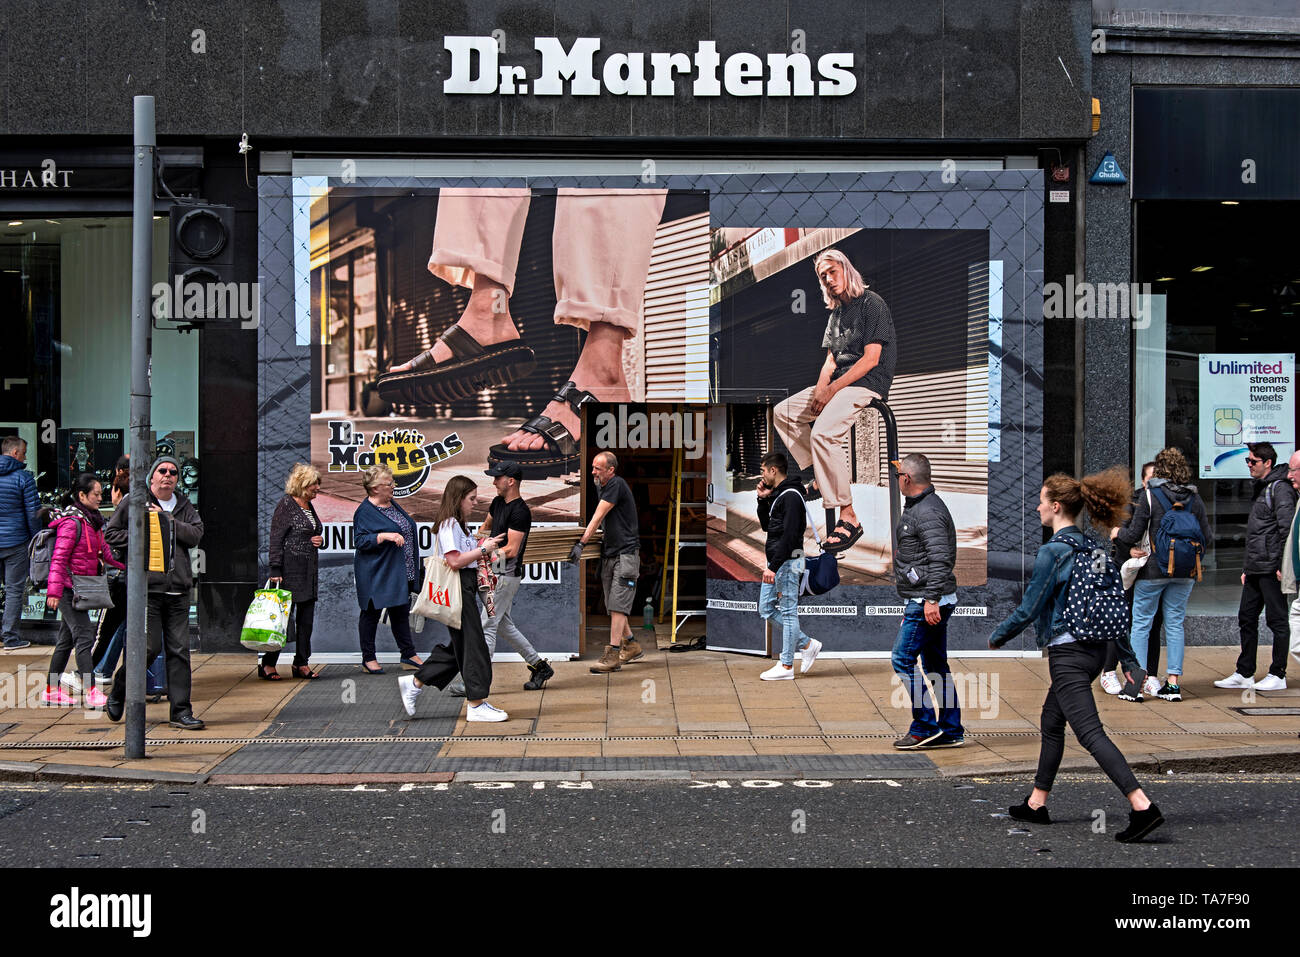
(201, 273)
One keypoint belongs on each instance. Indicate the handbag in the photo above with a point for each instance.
(90, 592)
(439, 597)
(821, 572)
(1130, 570)
(266, 623)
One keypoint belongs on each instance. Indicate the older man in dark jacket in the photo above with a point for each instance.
(1272, 507)
(925, 562)
(18, 505)
(169, 591)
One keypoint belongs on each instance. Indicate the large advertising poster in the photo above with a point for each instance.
(1244, 397)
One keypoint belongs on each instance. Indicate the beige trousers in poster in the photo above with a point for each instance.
(601, 247)
(819, 439)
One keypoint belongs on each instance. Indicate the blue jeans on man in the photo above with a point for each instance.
(15, 576)
(929, 643)
(781, 600)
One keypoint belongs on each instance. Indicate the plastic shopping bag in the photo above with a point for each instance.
(267, 621)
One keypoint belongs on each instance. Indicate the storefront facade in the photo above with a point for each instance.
(946, 146)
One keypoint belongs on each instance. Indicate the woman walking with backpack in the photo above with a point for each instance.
(1172, 515)
(78, 547)
(1079, 610)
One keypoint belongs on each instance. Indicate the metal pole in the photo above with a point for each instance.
(137, 542)
(891, 452)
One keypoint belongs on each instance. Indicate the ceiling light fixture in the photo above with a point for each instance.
(1201, 268)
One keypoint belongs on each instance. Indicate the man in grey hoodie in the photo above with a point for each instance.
(169, 591)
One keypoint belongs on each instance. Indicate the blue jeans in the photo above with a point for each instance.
(1147, 597)
(917, 638)
(782, 599)
(15, 572)
(108, 663)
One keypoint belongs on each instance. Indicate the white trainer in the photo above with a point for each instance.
(809, 655)
(1270, 683)
(72, 681)
(1235, 680)
(409, 691)
(1151, 687)
(485, 712)
(778, 672)
(1110, 682)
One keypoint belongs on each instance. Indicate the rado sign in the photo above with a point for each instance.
(476, 68)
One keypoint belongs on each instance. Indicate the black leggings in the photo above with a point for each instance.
(1073, 668)
(300, 627)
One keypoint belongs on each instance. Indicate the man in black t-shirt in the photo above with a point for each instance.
(509, 513)
(620, 560)
(861, 349)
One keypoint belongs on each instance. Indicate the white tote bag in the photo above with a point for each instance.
(439, 597)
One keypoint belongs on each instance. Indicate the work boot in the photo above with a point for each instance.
(629, 651)
(542, 673)
(608, 662)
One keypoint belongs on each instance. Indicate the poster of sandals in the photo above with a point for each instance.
(903, 315)
(458, 328)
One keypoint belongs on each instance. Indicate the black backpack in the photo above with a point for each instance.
(1095, 606)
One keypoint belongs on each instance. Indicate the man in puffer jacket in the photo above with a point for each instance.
(925, 563)
(1272, 508)
(169, 591)
(18, 505)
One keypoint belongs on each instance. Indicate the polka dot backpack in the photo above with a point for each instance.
(1095, 607)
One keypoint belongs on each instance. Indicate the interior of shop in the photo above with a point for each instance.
(1231, 283)
(653, 478)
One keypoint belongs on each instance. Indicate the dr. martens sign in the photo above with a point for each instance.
(476, 68)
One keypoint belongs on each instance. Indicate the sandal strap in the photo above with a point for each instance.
(461, 343)
(574, 397)
(557, 436)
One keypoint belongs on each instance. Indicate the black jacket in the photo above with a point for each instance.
(925, 560)
(1147, 517)
(292, 555)
(183, 529)
(784, 520)
(1267, 528)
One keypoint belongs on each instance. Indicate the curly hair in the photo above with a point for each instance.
(1172, 466)
(371, 476)
(301, 478)
(1106, 495)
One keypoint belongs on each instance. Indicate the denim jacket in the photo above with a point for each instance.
(1044, 599)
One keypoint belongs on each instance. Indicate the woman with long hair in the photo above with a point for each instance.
(468, 653)
(1170, 486)
(297, 535)
(1074, 662)
(79, 547)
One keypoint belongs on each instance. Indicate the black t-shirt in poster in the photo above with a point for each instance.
(512, 516)
(855, 325)
(620, 525)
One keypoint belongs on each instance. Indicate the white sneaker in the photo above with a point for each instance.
(1235, 680)
(1271, 683)
(485, 712)
(809, 655)
(1151, 687)
(1110, 682)
(72, 681)
(407, 688)
(778, 672)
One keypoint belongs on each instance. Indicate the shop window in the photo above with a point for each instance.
(1220, 291)
(65, 292)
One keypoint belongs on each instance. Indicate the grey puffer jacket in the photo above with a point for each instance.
(1268, 527)
(925, 560)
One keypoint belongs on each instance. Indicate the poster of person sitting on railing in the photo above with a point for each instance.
(825, 341)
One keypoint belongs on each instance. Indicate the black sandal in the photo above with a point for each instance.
(472, 368)
(848, 534)
(272, 675)
(303, 671)
(560, 457)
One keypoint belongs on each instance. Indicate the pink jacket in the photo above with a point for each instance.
(81, 560)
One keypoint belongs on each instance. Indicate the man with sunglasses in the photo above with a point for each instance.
(1271, 511)
(169, 591)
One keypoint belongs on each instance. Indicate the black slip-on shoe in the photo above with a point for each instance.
(1032, 815)
(188, 722)
(1140, 824)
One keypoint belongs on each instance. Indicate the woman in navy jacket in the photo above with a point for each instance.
(387, 567)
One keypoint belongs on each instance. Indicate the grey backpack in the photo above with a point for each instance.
(40, 553)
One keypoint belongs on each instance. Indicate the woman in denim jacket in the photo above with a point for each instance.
(1074, 664)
